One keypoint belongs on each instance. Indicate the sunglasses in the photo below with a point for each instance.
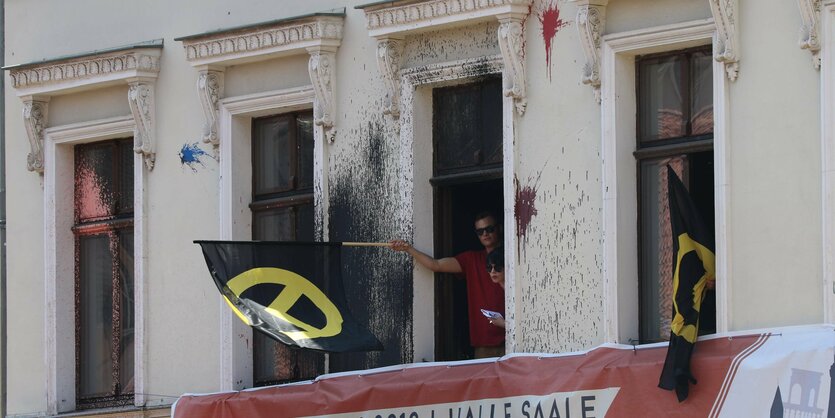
(496, 268)
(489, 229)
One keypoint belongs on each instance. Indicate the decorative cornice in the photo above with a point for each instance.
(810, 11)
(399, 18)
(512, 45)
(141, 100)
(322, 69)
(56, 76)
(389, 54)
(725, 42)
(591, 20)
(34, 117)
(263, 41)
(210, 90)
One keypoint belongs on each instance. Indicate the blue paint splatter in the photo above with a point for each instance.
(191, 154)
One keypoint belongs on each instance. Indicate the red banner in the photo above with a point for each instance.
(738, 375)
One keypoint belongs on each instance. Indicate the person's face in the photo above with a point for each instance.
(496, 274)
(489, 233)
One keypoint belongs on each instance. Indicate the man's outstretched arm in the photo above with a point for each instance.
(441, 265)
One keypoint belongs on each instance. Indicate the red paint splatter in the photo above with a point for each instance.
(551, 24)
(525, 210)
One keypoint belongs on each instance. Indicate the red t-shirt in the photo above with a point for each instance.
(482, 293)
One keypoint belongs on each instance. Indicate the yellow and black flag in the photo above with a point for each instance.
(694, 266)
(291, 291)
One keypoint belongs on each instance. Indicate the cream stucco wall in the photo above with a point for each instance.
(558, 300)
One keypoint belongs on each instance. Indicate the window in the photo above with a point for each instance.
(675, 127)
(282, 210)
(104, 277)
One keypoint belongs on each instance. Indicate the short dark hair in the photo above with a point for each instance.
(495, 257)
(485, 214)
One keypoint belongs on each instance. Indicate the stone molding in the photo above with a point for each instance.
(318, 35)
(389, 55)
(591, 21)
(55, 77)
(400, 18)
(263, 42)
(34, 117)
(390, 22)
(725, 43)
(512, 45)
(210, 91)
(137, 65)
(141, 100)
(322, 69)
(810, 11)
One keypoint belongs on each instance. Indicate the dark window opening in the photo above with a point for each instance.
(104, 298)
(675, 127)
(282, 210)
(467, 149)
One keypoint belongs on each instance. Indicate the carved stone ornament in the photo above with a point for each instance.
(511, 43)
(591, 19)
(34, 117)
(389, 54)
(288, 36)
(141, 100)
(425, 11)
(810, 11)
(88, 68)
(322, 68)
(725, 44)
(210, 90)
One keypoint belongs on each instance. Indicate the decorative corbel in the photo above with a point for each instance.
(322, 68)
(511, 43)
(389, 53)
(210, 91)
(810, 11)
(591, 20)
(724, 44)
(141, 100)
(34, 117)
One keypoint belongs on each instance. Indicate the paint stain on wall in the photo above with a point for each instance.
(363, 201)
(525, 208)
(549, 19)
(191, 155)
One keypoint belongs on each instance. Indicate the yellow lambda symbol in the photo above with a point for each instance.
(295, 286)
(685, 246)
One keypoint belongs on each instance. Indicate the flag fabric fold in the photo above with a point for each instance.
(290, 291)
(694, 267)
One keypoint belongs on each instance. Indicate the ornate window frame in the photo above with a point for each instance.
(137, 65)
(234, 135)
(59, 256)
(618, 107)
(52, 156)
(316, 34)
(390, 21)
(415, 162)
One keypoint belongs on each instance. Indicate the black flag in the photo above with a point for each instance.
(694, 266)
(291, 291)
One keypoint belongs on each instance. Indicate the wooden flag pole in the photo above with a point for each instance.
(366, 244)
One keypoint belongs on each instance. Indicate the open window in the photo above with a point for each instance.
(467, 179)
(675, 128)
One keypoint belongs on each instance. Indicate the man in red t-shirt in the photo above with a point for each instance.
(487, 340)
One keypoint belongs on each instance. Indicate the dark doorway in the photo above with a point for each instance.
(467, 179)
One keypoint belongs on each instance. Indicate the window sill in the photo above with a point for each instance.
(121, 412)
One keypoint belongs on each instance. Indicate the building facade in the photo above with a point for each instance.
(133, 129)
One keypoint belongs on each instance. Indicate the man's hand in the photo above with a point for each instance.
(499, 322)
(399, 245)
